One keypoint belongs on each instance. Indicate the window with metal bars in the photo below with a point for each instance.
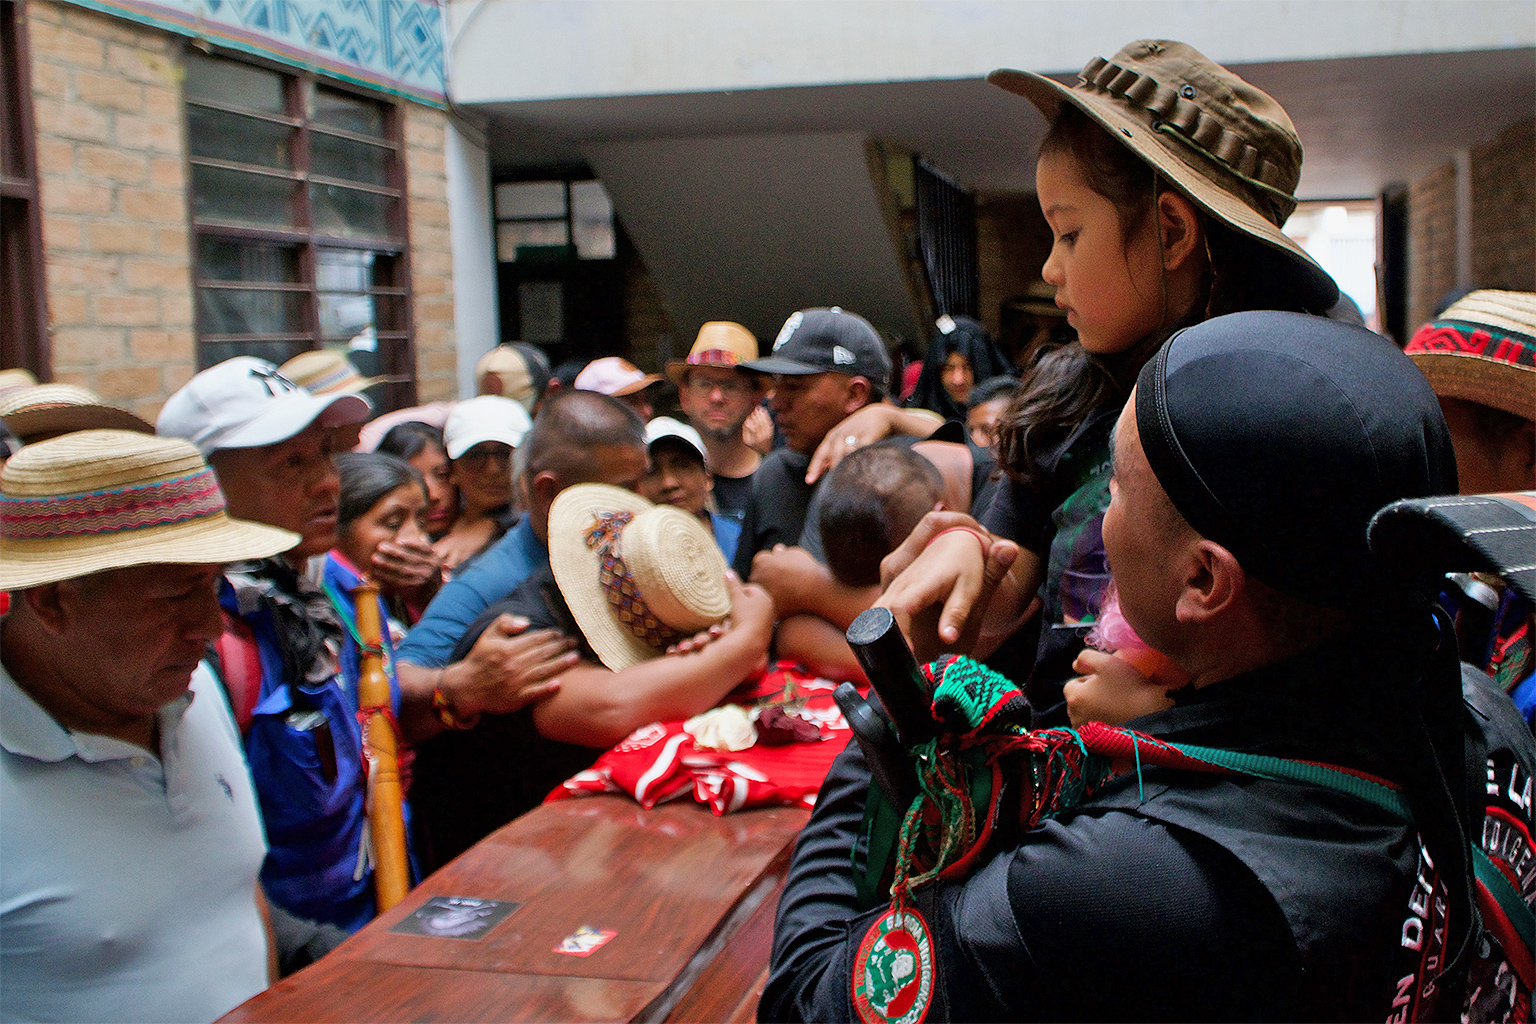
(23, 313)
(298, 214)
(946, 226)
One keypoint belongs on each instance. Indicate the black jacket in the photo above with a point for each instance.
(1183, 896)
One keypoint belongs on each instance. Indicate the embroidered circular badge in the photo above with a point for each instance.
(893, 970)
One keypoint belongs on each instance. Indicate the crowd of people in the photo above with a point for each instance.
(1158, 513)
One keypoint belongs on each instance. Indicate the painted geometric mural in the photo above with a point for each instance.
(394, 45)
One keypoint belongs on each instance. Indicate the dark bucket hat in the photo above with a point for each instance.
(1280, 435)
(1225, 144)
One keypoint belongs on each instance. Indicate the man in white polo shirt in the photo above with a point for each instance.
(131, 842)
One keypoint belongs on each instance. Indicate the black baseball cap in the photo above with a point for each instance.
(828, 340)
(1462, 533)
(1280, 435)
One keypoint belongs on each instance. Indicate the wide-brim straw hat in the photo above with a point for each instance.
(1482, 349)
(16, 379)
(329, 372)
(1225, 144)
(637, 576)
(95, 500)
(722, 343)
(47, 410)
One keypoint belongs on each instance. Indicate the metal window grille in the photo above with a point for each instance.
(297, 198)
(23, 309)
(946, 231)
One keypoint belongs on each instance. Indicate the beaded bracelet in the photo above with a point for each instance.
(444, 709)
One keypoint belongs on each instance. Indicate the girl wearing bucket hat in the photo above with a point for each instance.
(1165, 179)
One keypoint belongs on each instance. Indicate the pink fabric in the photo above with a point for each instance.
(434, 414)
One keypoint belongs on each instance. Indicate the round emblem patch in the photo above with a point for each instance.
(893, 971)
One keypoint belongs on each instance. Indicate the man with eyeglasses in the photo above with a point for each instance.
(717, 396)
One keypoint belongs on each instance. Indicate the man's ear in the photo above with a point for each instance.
(1213, 582)
(543, 487)
(51, 605)
(1180, 227)
(856, 395)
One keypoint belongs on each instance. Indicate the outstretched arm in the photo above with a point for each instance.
(799, 583)
(866, 426)
(596, 707)
(505, 671)
(818, 645)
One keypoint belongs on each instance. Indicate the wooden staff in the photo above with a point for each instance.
(386, 815)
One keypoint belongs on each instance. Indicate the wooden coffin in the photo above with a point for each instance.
(690, 898)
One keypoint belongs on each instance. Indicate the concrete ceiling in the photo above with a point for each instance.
(751, 203)
(1365, 122)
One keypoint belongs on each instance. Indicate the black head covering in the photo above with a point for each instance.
(971, 340)
(1279, 435)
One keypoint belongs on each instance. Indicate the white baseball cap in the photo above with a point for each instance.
(666, 426)
(486, 418)
(246, 402)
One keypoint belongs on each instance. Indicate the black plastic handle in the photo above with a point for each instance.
(887, 661)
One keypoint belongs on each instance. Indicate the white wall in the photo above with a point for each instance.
(753, 227)
(475, 315)
(501, 49)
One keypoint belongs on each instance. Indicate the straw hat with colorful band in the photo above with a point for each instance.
(720, 343)
(95, 500)
(47, 410)
(329, 372)
(1225, 144)
(636, 576)
(16, 379)
(1483, 349)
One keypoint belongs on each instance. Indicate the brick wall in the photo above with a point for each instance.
(1503, 223)
(112, 172)
(1504, 210)
(112, 176)
(431, 254)
(1431, 242)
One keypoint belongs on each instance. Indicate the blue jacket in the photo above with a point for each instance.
(493, 574)
(304, 745)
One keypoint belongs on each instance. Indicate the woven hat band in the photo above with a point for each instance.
(619, 587)
(97, 513)
(1173, 113)
(336, 378)
(1474, 340)
(714, 357)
